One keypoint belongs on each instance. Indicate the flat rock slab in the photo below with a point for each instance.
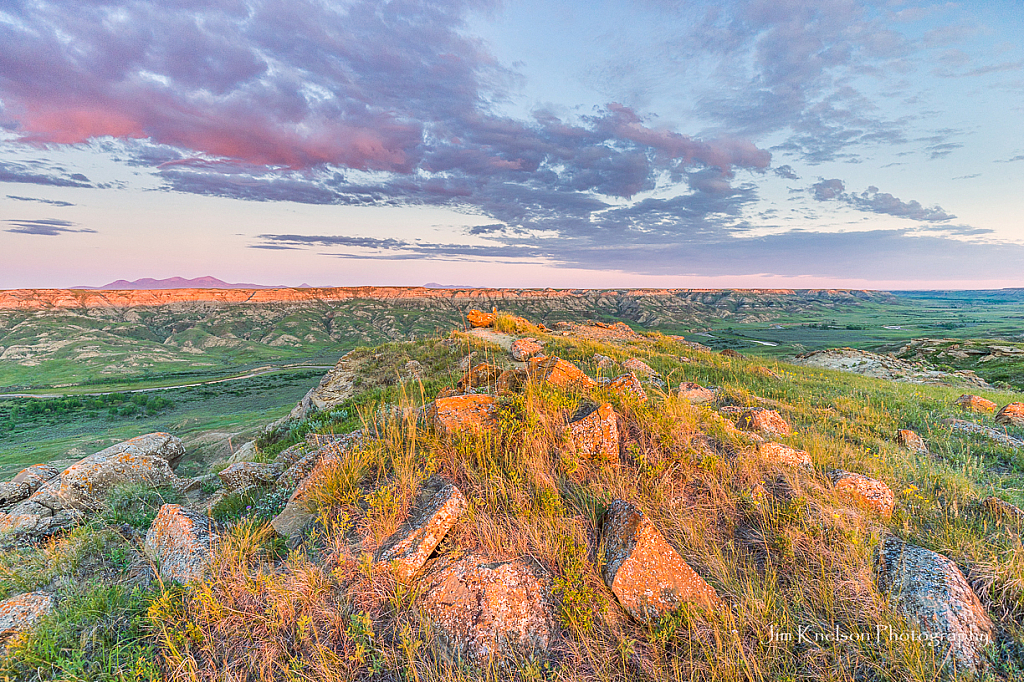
(560, 373)
(525, 348)
(777, 453)
(645, 573)
(597, 434)
(695, 393)
(962, 426)
(19, 613)
(764, 420)
(181, 541)
(243, 475)
(912, 441)
(409, 548)
(1012, 415)
(463, 413)
(932, 594)
(629, 385)
(486, 609)
(975, 403)
(868, 491)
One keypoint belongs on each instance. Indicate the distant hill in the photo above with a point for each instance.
(181, 283)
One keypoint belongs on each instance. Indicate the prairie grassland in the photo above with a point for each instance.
(785, 552)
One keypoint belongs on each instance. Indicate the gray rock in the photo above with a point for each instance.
(27, 482)
(409, 548)
(243, 475)
(19, 613)
(181, 541)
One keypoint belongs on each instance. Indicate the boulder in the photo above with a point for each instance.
(932, 594)
(26, 482)
(867, 491)
(912, 441)
(962, 426)
(511, 380)
(596, 435)
(975, 403)
(484, 374)
(335, 387)
(159, 444)
(463, 413)
(414, 370)
(764, 420)
(603, 362)
(777, 453)
(479, 318)
(1012, 414)
(695, 393)
(19, 613)
(84, 484)
(730, 353)
(645, 573)
(410, 547)
(242, 475)
(526, 348)
(487, 609)
(560, 373)
(181, 541)
(629, 385)
(640, 367)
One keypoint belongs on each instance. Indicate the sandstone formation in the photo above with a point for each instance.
(645, 573)
(181, 541)
(409, 548)
(596, 435)
(560, 373)
(777, 453)
(525, 348)
(886, 367)
(961, 426)
(911, 440)
(932, 594)
(487, 609)
(479, 318)
(463, 413)
(764, 420)
(337, 386)
(26, 482)
(21, 612)
(1012, 415)
(975, 403)
(628, 385)
(695, 393)
(243, 475)
(867, 491)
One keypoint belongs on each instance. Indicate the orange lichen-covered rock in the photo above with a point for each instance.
(409, 548)
(483, 374)
(764, 420)
(19, 613)
(181, 541)
(975, 403)
(559, 373)
(1012, 414)
(597, 434)
(911, 440)
(695, 393)
(83, 484)
(479, 318)
(640, 367)
(463, 412)
(867, 491)
(243, 475)
(27, 482)
(486, 609)
(525, 348)
(777, 453)
(629, 384)
(645, 573)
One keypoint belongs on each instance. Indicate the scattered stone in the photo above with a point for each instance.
(463, 412)
(912, 441)
(559, 373)
(484, 374)
(645, 573)
(603, 362)
(1012, 414)
(479, 318)
(777, 453)
(242, 475)
(409, 548)
(1003, 509)
(695, 393)
(487, 610)
(19, 613)
(975, 403)
(640, 367)
(961, 426)
(629, 384)
(526, 348)
(414, 369)
(730, 353)
(597, 434)
(181, 541)
(26, 482)
(933, 595)
(868, 491)
(764, 420)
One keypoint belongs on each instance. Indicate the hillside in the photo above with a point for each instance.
(522, 502)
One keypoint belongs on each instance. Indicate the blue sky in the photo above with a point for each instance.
(793, 143)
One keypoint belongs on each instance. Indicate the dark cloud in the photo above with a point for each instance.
(828, 189)
(45, 227)
(39, 174)
(878, 202)
(51, 202)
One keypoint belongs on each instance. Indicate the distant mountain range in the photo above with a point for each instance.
(182, 283)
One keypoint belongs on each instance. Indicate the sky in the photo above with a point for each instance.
(651, 143)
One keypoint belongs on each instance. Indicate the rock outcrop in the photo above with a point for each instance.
(1011, 415)
(337, 386)
(463, 413)
(777, 453)
(695, 393)
(975, 403)
(764, 421)
(932, 594)
(479, 318)
(596, 435)
(526, 348)
(483, 374)
(181, 541)
(21, 612)
(560, 373)
(629, 385)
(639, 367)
(409, 548)
(886, 367)
(868, 491)
(912, 441)
(961, 426)
(26, 482)
(487, 609)
(244, 475)
(645, 573)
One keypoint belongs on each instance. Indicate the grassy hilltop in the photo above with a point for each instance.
(778, 543)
